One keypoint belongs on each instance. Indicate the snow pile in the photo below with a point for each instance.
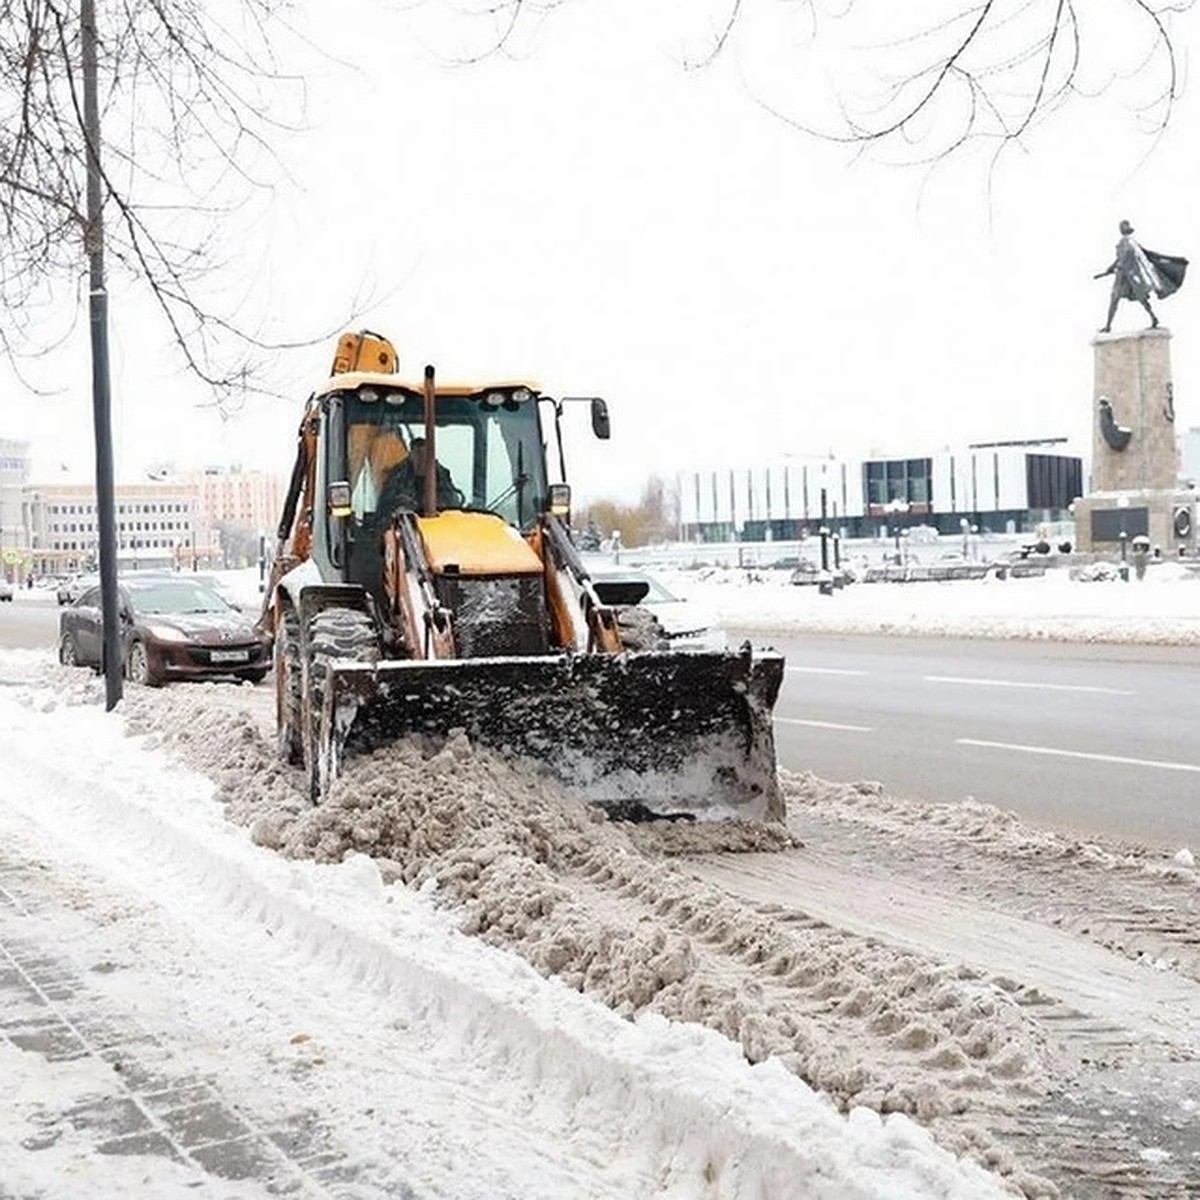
(601, 907)
(654, 1107)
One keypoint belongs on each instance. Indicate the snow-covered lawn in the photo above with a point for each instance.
(1162, 608)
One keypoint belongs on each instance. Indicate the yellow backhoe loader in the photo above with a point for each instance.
(425, 580)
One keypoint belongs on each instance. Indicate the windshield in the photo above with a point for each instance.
(488, 450)
(162, 599)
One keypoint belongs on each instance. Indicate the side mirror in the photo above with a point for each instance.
(600, 425)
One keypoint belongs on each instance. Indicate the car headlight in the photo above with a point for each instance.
(166, 633)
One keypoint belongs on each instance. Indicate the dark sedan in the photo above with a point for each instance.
(171, 628)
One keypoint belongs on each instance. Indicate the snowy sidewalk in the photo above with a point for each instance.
(92, 1081)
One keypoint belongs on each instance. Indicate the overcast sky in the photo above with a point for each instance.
(587, 212)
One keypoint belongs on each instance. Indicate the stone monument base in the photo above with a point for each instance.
(1167, 517)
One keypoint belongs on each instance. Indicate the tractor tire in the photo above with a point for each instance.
(289, 688)
(640, 629)
(334, 635)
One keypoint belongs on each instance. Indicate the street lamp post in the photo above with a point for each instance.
(101, 383)
(824, 532)
(895, 508)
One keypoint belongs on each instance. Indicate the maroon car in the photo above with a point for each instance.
(171, 628)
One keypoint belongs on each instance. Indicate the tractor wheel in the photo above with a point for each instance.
(289, 688)
(334, 635)
(640, 629)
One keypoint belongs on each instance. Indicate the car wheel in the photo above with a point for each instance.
(256, 676)
(137, 666)
(68, 652)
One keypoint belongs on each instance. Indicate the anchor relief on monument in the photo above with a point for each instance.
(1117, 436)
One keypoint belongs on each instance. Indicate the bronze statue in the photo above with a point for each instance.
(1138, 273)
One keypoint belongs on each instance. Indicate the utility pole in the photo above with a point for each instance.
(101, 388)
(824, 532)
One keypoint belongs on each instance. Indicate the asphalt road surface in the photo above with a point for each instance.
(29, 620)
(1094, 739)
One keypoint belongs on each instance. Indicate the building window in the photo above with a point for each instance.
(900, 481)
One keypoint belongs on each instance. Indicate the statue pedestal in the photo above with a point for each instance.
(1132, 374)
(1167, 517)
(1135, 473)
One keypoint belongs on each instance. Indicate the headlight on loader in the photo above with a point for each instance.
(560, 500)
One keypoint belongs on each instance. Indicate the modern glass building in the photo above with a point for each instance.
(995, 487)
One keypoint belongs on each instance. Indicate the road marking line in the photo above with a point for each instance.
(1053, 687)
(1111, 758)
(824, 724)
(822, 671)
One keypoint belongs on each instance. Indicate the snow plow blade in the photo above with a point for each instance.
(654, 734)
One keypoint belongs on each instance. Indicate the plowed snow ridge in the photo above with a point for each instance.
(406, 1008)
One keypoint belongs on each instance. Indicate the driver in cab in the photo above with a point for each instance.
(404, 487)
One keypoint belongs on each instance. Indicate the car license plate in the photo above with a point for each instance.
(230, 656)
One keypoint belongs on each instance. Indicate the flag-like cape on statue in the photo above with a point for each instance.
(1139, 274)
(1169, 269)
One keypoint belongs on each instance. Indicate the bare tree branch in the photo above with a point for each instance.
(191, 93)
(945, 74)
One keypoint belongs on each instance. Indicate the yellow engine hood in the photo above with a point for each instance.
(476, 543)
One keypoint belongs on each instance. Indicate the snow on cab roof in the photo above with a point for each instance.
(357, 379)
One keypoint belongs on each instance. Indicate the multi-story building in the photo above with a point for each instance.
(14, 535)
(157, 526)
(229, 495)
(202, 519)
(994, 486)
(241, 505)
